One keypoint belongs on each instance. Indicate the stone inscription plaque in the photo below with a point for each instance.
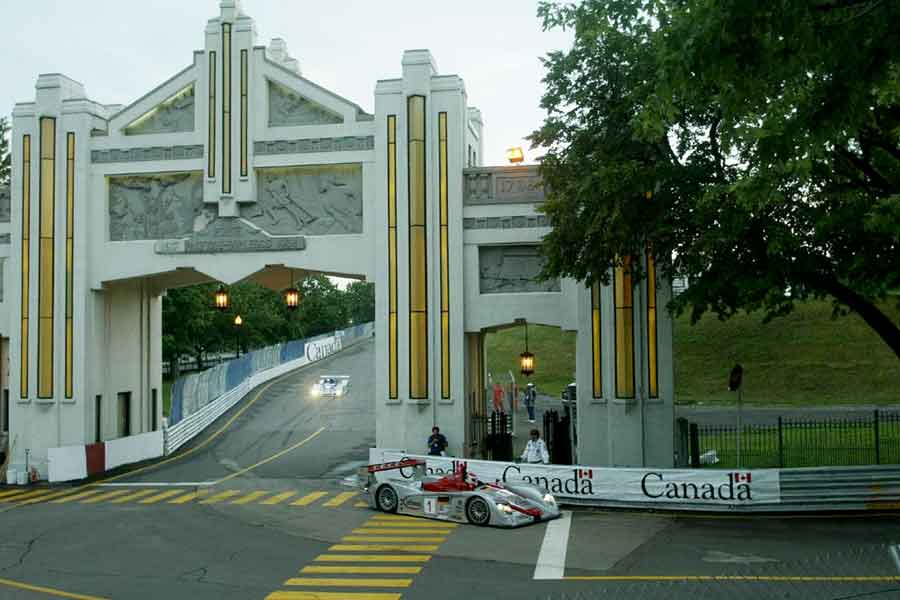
(512, 269)
(313, 200)
(229, 235)
(153, 207)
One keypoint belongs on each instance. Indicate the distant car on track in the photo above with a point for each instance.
(458, 497)
(334, 386)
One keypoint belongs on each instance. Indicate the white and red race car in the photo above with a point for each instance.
(404, 487)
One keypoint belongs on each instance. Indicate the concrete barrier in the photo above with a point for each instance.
(132, 449)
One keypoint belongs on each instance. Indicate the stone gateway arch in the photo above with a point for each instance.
(240, 169)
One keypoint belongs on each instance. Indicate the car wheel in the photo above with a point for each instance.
(386, 499)
(478, 512)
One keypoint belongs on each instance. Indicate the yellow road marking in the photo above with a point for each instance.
(31, 494)
(309, 498)
(398, 531)
(399, 518)
(361, 504)
(382, 548)
(250, 497)
(220, 496)
(11, 493)
(340, 499)
(278, 498)
(785, 578)
(273, 457)
(44, 497)
(133, 496)
(362, 570)
(348, 582)
(373, 558)
(417, 523)
(188, 497)
(160, 496)
(46, 590)
(105, 496)
(285, 595)
(76, 496)
(391, 538)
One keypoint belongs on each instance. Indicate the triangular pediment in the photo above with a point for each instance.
(289, 108)
(173, 115)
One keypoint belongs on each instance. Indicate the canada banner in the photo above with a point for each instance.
(580, 483)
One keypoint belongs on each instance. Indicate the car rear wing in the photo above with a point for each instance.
(334, 377)
(417, 464)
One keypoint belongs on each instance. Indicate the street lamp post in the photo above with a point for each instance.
(238, 321)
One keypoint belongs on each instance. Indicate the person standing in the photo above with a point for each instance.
(498, 397)
(536, 450)
(437, 443)
(530, 397)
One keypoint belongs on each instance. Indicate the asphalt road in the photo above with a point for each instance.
(271, 520)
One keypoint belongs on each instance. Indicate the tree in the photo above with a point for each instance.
(754, 146)
(322, 306)
(4, 152)
(360, 300)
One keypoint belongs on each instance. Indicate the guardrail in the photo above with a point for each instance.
(312, 350)
(819, 489)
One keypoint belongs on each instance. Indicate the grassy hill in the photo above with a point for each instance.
(804, 359)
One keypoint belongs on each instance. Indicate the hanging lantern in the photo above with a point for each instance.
(238, 320)
(526, 359)
(221, 299)
(292, 298)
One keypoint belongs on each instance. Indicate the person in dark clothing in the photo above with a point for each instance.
(437, 443)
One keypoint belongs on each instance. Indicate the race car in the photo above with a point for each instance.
(331, 385)
(458, 497)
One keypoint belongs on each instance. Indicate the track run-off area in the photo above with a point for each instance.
(254, 508)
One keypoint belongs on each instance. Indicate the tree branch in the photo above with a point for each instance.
(874, 176)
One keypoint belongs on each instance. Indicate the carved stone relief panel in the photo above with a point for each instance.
(288, 108)
(154, 207)
(309, 200)
(174, 115)
(4, 204)
(512, 269)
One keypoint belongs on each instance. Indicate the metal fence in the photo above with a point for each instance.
(863, 440)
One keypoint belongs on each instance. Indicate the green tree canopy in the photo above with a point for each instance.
(754, 145)
(4, 151)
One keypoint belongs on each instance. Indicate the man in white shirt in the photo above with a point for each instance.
(536, 450)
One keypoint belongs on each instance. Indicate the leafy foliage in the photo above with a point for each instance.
(191, 327)
(5, 156)
(755, 145)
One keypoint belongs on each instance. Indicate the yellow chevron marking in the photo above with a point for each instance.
(278, 498)
(309, 499)
(340, 499)
(348, 582)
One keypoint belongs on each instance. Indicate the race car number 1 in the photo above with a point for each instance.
(431, 506)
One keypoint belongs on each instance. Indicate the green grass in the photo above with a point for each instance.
(804, 359)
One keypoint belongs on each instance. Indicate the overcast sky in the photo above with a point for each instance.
(121, 49)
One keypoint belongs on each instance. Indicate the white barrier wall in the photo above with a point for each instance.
(67, 463)
(132, 449)
(578, 484)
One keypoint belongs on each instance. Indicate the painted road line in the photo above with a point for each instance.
(417, 523)
(292, 595)
(105, 496)
(392, 538)
(46, 497)
(220, 496)
(551, 562)
(188, 497)
(134, 496)
(740, 578)
(76, 496)
(250, 497)
(309, 498)
(11, 493)
(278, 498)
(382, 548)
(340, 499)
(45, 590)
(161, 496)
(273, 457)
(348, 582)
(357, 570)
(389, 531)
(26, 495)
(361, 504)
(386, 558)
(895, 554)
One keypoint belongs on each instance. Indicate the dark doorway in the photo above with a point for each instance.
(153, 409)
(124, 414)
(98, 428)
